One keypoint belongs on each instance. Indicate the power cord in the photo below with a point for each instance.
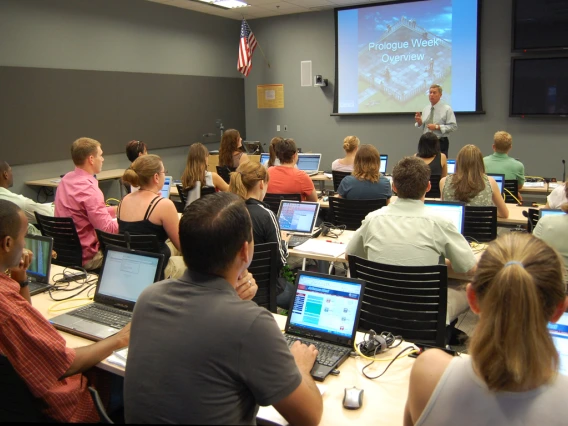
(332, 231)
(412, 349)
(512, 195)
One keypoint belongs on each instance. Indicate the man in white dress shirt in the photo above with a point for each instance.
(438, 118)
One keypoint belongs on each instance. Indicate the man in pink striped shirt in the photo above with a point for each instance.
(78, 196)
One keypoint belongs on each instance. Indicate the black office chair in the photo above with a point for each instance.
(352, 212)
(147, 243)
(434, 187)
(338, 177)
(206, 190)
(511, 190)
(66, 241)
(410, 301)
(532, 219)
(225, 172)
(182, 193)
(104, 418)
(480, 223)
(264, 269)
(273, 200)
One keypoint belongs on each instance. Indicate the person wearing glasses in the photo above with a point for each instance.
(146, 212)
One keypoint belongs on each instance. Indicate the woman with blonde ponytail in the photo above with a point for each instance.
(511, 376)
(250, 182)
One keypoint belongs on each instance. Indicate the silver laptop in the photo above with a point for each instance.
(264, 157)
(299, 219)
(384, 162)
(309, 163)
(499, 179)
(453, 210)
(168, 182)
(325, 312)
(559, 333)
(124, 275)
(451, 166)
(39, 271)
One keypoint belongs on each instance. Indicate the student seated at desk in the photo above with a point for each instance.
(286, 178)
(199, 354)
(28, 205)
(250, 182)
(366, 182)
(499, 162)
(195, 176)
(408, 233)
(471, 185)
(346, 164)
(145, 212)
(230, 150)
(272, 159)
(134, 149)
(511, 376)
(557, 197)
(38, 353)
(429, 151)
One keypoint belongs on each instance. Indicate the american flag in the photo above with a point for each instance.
(247, 45)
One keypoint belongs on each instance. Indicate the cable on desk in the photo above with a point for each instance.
(356, 348)
(512, 195)
(107, 202)
(412, 350)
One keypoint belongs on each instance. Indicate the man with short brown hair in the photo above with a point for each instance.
(78, 196)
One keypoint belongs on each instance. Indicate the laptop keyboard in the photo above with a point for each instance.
(296, 240)
(327, 354)
(103, 315)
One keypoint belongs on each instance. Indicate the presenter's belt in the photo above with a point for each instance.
(444, 145)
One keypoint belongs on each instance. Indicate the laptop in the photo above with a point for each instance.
(384, 162)
(451, 166)
(264, 157)
(39, 271)
(124, 275)
(500, 179)
(298, 218)
(559, 333)
(309, 163)
(168, 182)
(325, 312)
(452, 210)
(550, 212)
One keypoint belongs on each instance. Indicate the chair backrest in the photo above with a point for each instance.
(273, 200)
(66, 241)
(480, 223)
(532, 219)
(206, 190)
(181, 193)
(338, 177)
(511, 187)
(410, 301)
(352, 212)
(17, 403)
(135, 242)
(225, 173)
(434, 187)
(264, 269)
(104, 418)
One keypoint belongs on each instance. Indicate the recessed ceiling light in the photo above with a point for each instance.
(223, 4)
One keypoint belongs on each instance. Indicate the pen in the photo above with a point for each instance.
(334, 242)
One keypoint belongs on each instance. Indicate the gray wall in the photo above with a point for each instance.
(111, 35)
(287, 40)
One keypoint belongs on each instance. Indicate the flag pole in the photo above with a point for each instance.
(258, 44)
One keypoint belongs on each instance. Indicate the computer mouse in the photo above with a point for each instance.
(353, 398)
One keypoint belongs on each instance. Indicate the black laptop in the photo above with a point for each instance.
(124, 275)
(325, 312)
(39, 271)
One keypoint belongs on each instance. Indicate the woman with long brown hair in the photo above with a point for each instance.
(366, 182)
(196, 176)
(470, 184)
(273, 159)
(230, 153)
(511, 376)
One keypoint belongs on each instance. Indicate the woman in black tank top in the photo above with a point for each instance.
(429, 151)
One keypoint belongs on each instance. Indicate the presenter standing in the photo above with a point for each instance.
(440, 119)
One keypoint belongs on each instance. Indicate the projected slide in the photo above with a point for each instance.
(388, 56)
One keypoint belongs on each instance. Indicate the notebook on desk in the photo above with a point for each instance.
(299, 219)
(453, 210)
(325, 312)
(309, 163)
(39, 271)
(124, 275)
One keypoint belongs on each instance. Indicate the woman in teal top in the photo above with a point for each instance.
(470, 184)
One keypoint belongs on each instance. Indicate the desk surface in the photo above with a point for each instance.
(383, 399)
(53, 182)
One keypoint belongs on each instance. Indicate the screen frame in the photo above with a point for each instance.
(454, 203)
(314, 219)
(478, 95)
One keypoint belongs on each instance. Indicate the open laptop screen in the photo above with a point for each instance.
(326, 304)
(297, 217)
(451, 166)
(264, 157)
(450, 209)
(559, 333)
(41, 247)
(125, 274)
(550, 212)
(500, 179)
(165, 191)
(384, 161)
(309, 162)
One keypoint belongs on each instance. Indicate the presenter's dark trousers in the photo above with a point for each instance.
(444, 146)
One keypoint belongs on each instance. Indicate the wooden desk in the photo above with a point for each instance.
(547, 188)
(321, 179)
(383, 399)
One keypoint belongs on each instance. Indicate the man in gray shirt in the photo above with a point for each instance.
(198, 353)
